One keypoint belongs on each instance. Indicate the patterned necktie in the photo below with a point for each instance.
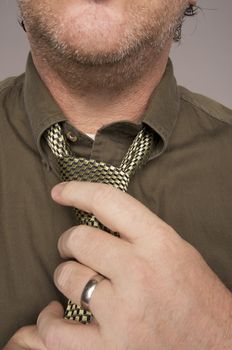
(81, 169)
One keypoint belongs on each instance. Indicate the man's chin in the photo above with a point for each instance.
(97, 56)
(101, 34)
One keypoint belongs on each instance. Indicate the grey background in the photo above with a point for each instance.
(202, 62)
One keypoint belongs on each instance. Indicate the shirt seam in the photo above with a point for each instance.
(11, 83)
(203, 109)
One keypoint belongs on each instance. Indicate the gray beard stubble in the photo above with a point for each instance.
(112, 73)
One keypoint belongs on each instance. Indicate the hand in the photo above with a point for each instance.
(158, 292)
(26, 338)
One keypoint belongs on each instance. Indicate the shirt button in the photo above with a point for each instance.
(71, 137)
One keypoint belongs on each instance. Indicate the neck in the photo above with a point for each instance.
(88, 112)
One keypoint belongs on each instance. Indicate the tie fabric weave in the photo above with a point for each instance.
(81, 169)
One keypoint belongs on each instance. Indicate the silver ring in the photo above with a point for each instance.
(88, 291)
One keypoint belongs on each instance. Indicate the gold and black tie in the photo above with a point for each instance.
(81, 169)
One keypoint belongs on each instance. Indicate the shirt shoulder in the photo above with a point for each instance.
(11, 83)
(205, 106)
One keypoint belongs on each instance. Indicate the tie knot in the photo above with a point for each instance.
(136, 155)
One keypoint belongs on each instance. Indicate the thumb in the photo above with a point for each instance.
(26, 338)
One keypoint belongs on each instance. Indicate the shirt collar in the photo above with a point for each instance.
(163, 108)
(42, 110)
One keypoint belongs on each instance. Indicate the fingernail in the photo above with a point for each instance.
(56, 274)
(57, 190)
(61, 275)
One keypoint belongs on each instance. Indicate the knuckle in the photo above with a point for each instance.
(20, 336)
(69, 189)
(63, 240)
(20, 333)
(72, 236)
(76, 238)
(161, 228)
(79, 238)
(172, 245)
(164, 240)
(102, 195)
(51, 337)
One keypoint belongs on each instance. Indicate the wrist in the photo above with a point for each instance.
(225, 330)
(219, 326)
(208, 324)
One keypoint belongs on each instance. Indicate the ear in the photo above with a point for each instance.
(192, 2)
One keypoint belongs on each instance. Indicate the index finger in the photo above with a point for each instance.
(115, 209)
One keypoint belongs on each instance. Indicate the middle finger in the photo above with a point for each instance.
(96, 249)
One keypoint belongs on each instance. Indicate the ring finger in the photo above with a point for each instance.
(71, 278)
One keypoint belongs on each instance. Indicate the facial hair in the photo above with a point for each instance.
(113, 71)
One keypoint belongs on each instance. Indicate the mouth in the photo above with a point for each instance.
(97, 13)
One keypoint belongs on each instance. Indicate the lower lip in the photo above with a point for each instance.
(100, 10)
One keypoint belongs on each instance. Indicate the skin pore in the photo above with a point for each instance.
(101, 59)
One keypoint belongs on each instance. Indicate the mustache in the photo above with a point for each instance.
(190, 11)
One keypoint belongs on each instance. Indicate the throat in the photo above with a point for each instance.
(91, 109)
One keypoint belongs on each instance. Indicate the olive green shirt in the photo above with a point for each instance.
(187, 182)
